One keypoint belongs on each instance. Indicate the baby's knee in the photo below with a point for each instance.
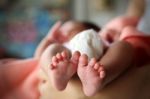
(54, 48)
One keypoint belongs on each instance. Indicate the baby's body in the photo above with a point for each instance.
(60, 64)
(62, 69)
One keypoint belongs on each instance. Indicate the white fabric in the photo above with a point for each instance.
(87, 42)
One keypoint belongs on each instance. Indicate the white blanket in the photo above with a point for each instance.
(87, 42)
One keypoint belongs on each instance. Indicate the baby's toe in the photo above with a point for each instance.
(59, 56)
(96, 66)
(52, 66)
(92, 62)
(54, 60)
(100, 69)
(64, 54)
(75, 57)
(102, 74)
(83, 60)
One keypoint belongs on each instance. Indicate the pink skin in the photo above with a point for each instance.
(55, 34)
(59, 33)
(62, 69)
(52, 36)
(91, 75)
(130, 31)
(113, 29)
(63, 32)
(20, 79)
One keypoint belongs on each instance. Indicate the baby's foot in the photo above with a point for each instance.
(62, 69)
(91, 75)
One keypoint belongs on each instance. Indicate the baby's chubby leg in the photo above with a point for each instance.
(59, 65)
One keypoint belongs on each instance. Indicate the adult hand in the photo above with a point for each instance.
(55, 34)
(113, 29)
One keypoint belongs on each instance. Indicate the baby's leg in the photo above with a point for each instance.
(91, 75)
(59, 65)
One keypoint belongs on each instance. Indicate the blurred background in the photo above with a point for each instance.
(23, 23)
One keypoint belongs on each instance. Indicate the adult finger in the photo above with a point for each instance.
(54, 30)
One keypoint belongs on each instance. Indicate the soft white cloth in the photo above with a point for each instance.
(87, 42)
